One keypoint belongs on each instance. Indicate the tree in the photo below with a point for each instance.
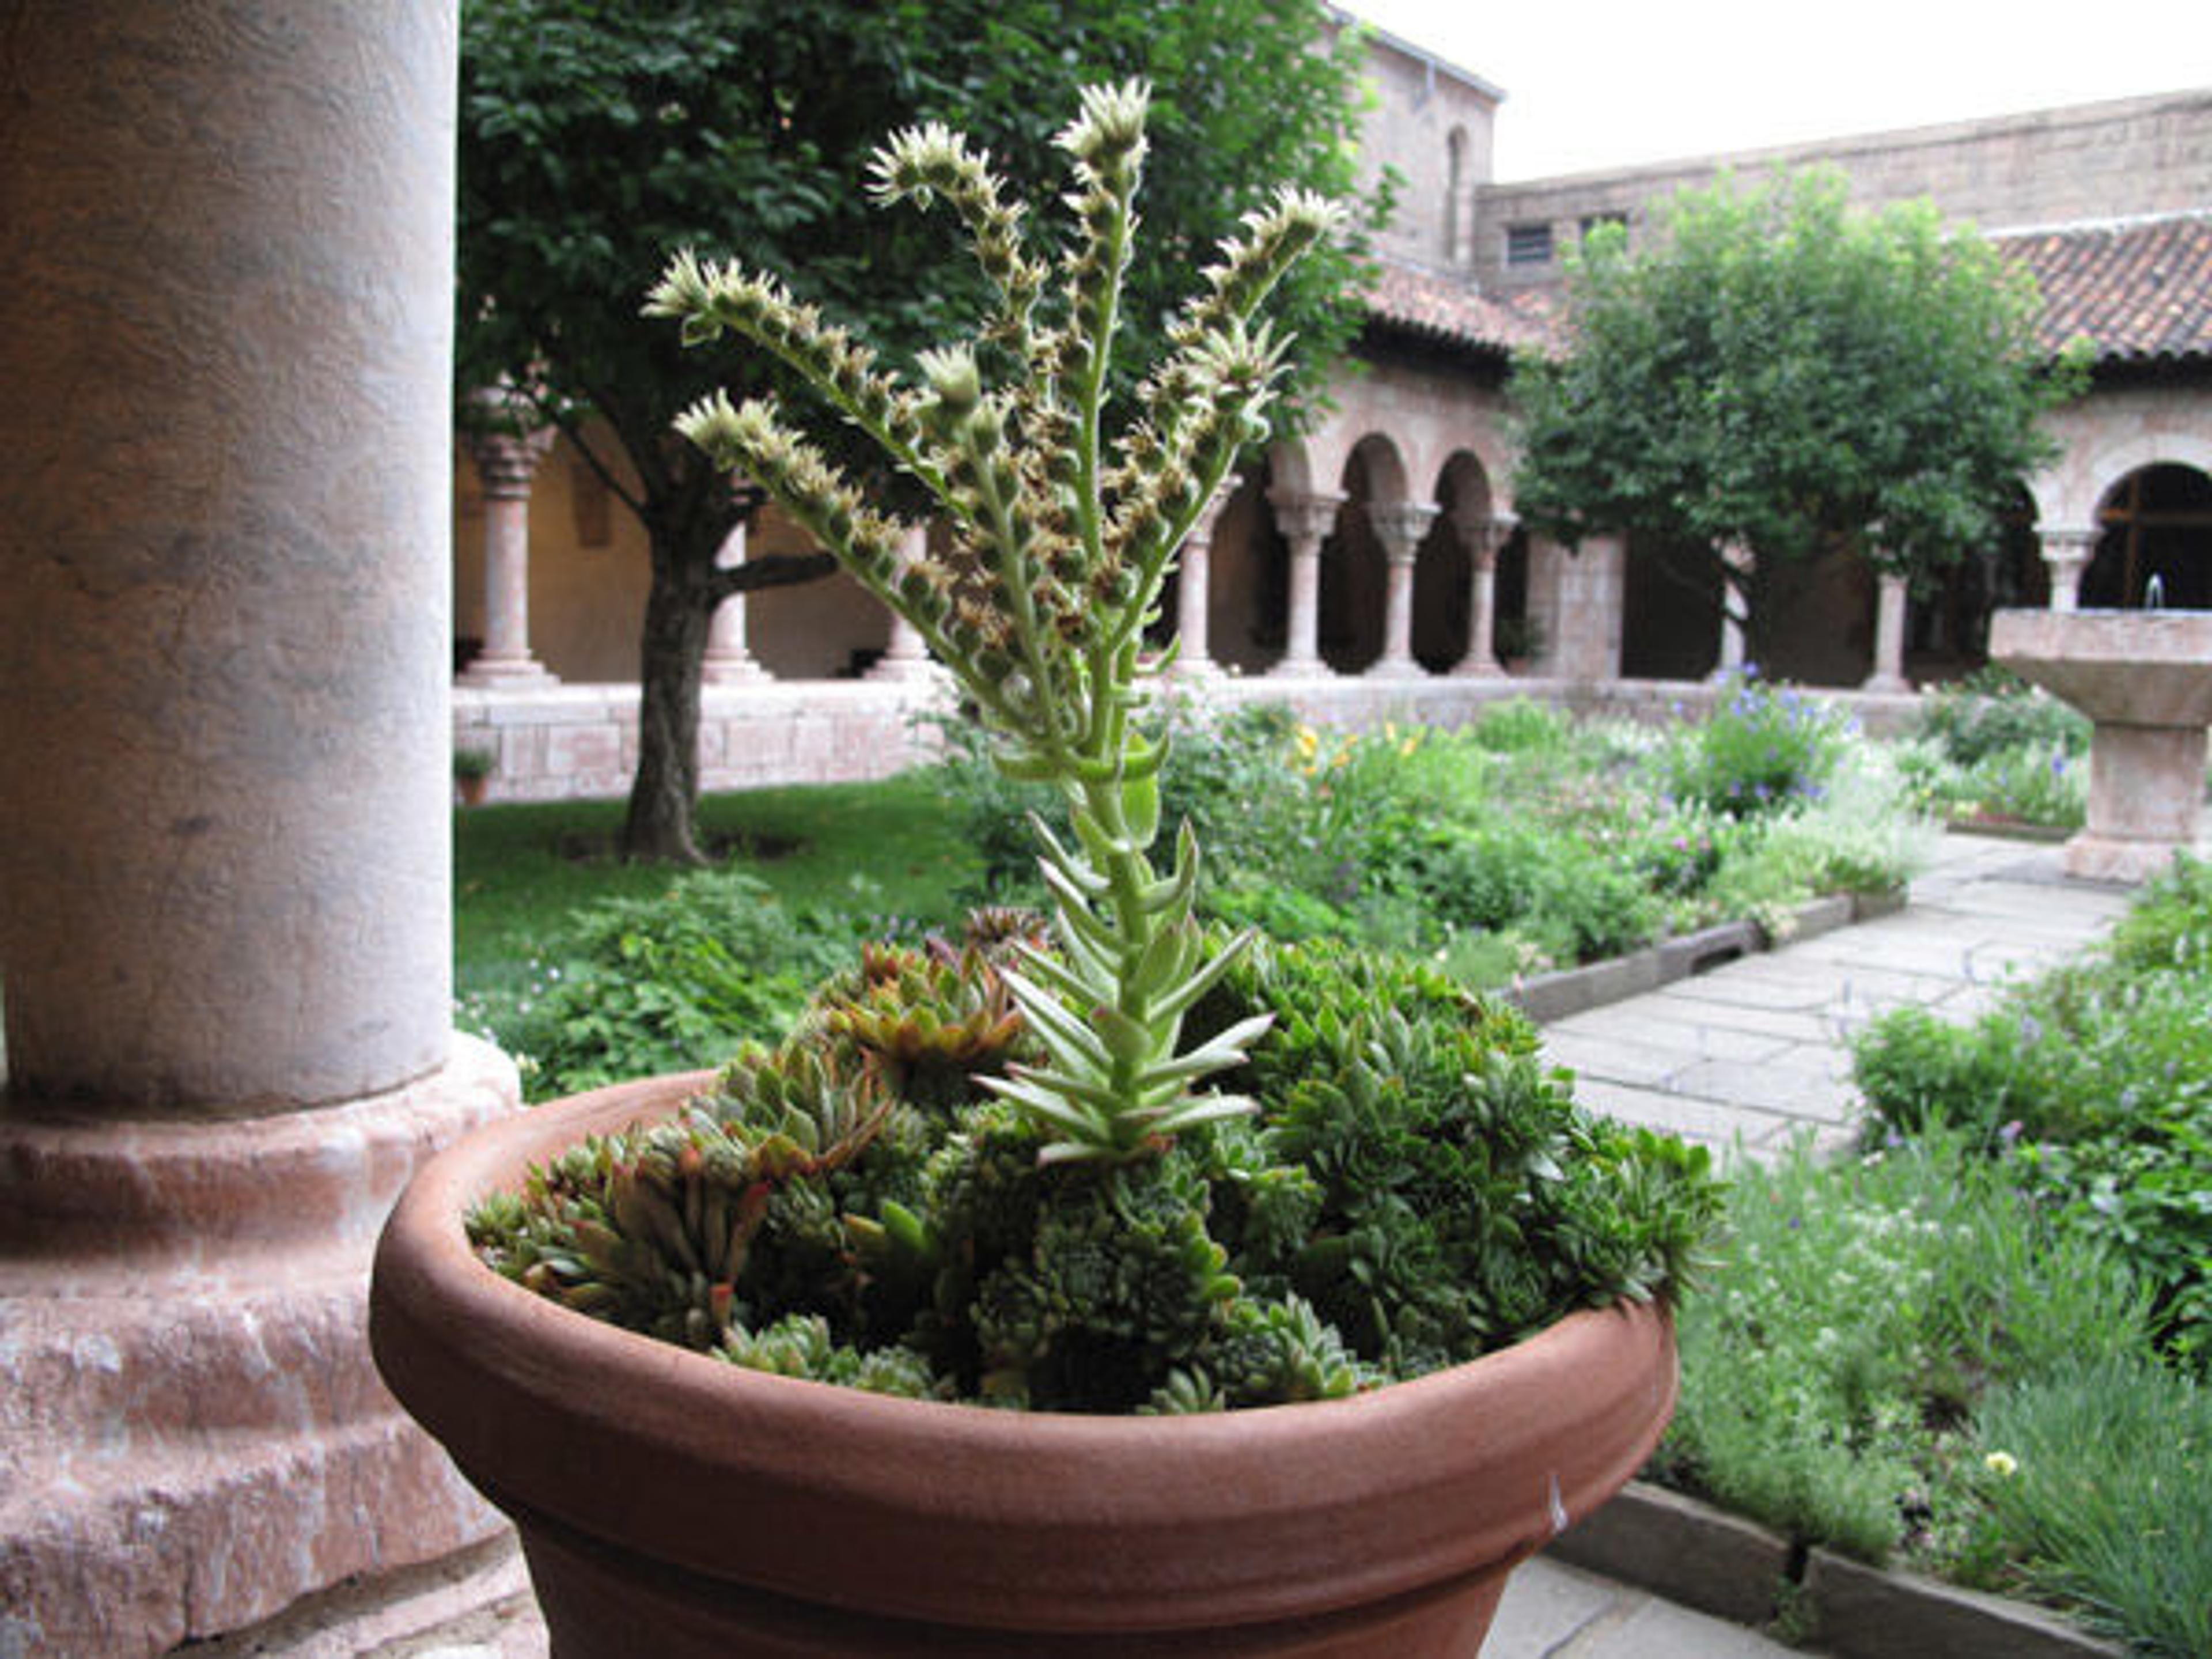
(1779, 373)
(598, 138)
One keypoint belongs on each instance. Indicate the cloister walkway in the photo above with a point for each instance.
(1757, 1051)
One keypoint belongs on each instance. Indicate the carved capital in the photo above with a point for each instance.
(1304, 518)
(506, 462)
(1483, 533)
(1400, 526)
(2068, 543)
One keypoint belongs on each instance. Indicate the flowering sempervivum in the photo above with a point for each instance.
(1061, 544)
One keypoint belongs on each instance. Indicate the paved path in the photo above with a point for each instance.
(1756, 1052)
(1753, 1054)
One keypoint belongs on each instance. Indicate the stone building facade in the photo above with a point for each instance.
(1382, 549)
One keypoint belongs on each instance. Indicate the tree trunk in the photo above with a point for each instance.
(664, 797)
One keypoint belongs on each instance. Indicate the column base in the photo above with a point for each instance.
(1887, 685)
(733, 671)
(1394, 668)
(1479, 667)
(1309, 668)
(492, 672)
(2092, 857)
(903, 670)
(191, 1432)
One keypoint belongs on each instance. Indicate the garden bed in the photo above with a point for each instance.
(1977, 1348)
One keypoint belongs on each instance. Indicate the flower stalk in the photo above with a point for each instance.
(1062, 544)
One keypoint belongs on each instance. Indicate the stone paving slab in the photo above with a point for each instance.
(1554, 1611)
(1758, 1048)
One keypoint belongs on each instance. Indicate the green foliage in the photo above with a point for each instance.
(1831, 1363)
(634, 986)
(1061, 545)
(1994, 712)
(2102, 1497)
(595, 139)
(1763, 749)
(1777, 373)
(2093, 1085)
(1416, 1190)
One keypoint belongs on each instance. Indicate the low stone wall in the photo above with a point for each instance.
(580, 741)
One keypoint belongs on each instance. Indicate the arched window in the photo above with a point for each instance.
(2156, 523)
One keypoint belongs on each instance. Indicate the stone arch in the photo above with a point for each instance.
(2070, 493)
(2155, 524)
(1249, 577)
(1444, 569)
(1354, 569)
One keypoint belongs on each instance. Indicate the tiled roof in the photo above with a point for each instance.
(2141, 290)
(1444, 305)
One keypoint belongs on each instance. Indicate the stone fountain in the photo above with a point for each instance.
(2145, 678)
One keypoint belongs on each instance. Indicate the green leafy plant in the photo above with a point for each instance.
(855, 1205)
(1132, 1164)
(1762, 749)
(2092, 1085)
(1062, 545)
(1858, 1312)
(1993, 712)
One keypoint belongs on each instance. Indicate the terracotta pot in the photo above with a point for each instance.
(674, 1504)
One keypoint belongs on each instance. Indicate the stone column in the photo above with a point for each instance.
(225, 888)
(727, 662)
(1400, 526)
(906, 657)
(1305, 520)
(506, 462)
(2066, 554)
(1194, 590)
(1888, 673)
(1732, 629)
(1482, 536)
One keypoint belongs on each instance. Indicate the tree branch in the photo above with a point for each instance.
(771, 570)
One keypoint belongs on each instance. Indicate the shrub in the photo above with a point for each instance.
(1994, 712)
(1831, 1363)
(1761, 748)
(2095, 1085)
(1520, 724)
(634, 986)
(2032, 783)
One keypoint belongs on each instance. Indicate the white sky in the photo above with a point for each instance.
(1606, 83)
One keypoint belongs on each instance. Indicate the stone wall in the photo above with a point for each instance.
(2106, 160)
(1423, 103)
(580, 741)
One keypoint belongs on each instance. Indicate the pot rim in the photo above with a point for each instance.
(1044, 1520)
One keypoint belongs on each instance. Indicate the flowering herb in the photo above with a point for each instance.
(1062, 542)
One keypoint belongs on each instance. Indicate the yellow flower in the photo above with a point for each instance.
(2001, 1464)
(1309, 741)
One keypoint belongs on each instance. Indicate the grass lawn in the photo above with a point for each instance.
(893, 847)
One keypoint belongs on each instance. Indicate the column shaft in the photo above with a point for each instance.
(228, 425)
(507, 463)
(1400, 526)
(1305, 521)
(1888, 674)
(2066, 554)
